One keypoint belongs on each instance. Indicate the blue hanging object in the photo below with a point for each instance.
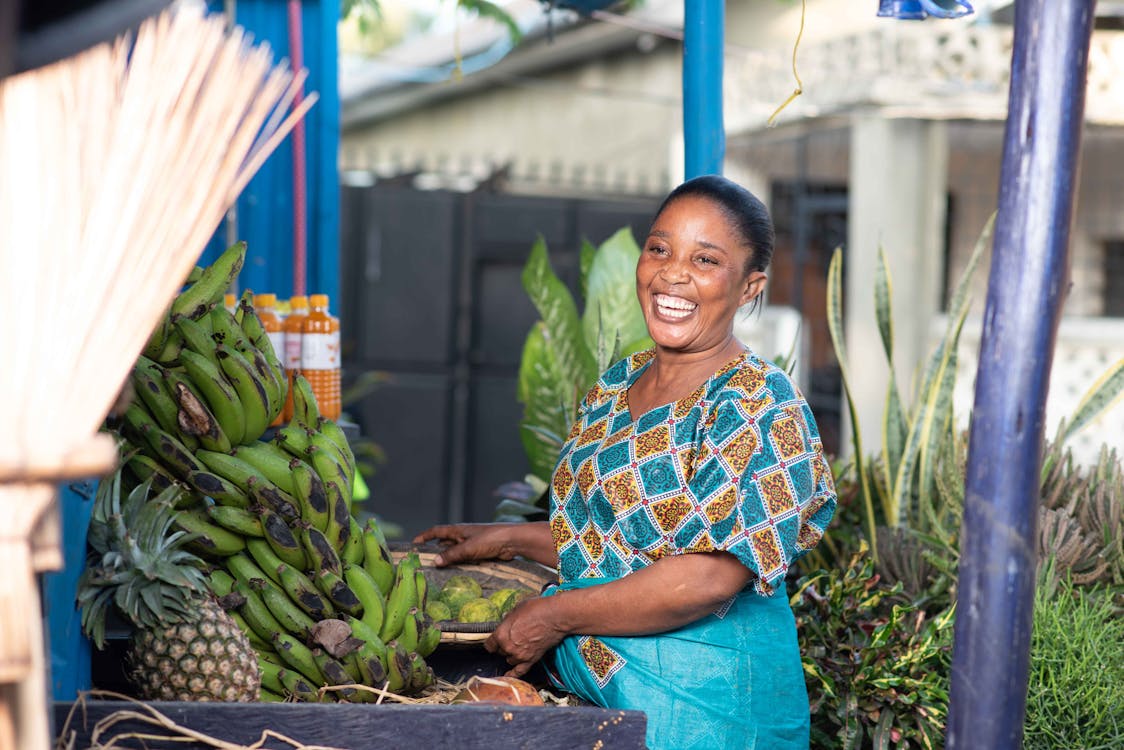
(918, 10)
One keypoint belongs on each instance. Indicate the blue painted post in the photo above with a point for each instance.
(1026, 287)
(704, 133)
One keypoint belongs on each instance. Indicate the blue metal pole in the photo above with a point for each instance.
(1026, 288)
(704, 134)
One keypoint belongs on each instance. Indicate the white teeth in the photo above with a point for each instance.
(667, 302)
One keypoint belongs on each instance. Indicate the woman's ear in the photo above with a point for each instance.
(754, 286)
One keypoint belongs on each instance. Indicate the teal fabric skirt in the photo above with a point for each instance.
(731, 680)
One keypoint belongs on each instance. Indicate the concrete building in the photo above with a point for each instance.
(894, 143)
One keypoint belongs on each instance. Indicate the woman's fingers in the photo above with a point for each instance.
(450, 532)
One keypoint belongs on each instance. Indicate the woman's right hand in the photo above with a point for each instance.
(471, 542)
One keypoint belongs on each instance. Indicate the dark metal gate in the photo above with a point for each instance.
(431, 295)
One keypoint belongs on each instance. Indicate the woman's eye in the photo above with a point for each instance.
(656, 249)
(707, 260)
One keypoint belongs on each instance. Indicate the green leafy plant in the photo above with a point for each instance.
(876, 667)
(566, 351)
(1075, 697)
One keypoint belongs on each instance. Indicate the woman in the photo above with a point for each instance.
(691, 481)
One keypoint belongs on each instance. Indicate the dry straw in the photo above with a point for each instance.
(116, 166)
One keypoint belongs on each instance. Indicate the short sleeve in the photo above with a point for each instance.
(762, 487)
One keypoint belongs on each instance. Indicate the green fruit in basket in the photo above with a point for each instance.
(478, 610)
(438, 610)
(458, 590)
(506, 599)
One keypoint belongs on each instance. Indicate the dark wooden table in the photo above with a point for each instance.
(382, 727)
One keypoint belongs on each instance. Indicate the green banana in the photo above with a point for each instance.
(212, 283)
(275, 388)
(270, 677)
(304, 592)
(159, 337)
(352, 550)
(410, 631)
(219, 489)
(265, 557)
(339, 593)
(372, 661)
(429, 640)
(297, 685)
(305, 409)
(251, 392)
(309, 493)
(280, 538)
(220, 395)
(148, 469)
(335, 433)
(266, 495)
(173, 347)
(237, 520)
(148, 383)
(293, 619)
(197, 338)
(256, 641)
(226, 331)
(323, 461)
(256, 614)
(423, 588)
(270, 461)
(194, 418)
(244, 302)
(265, 695)
(338, 529)
(255, 332)
(402, 598)
(194, 275)
(319, 551)
(294, 439)
(421, 675)
(297, 655)
(398, 667)
(209, 538)
(368, 593)
(334, 672)
(221, 582)
(376, 557)
(171, 452)
(244, 569)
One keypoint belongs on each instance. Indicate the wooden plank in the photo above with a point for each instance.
(385, 727)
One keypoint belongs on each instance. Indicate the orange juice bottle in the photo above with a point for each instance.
(320, 356)
(293, 328)
(230, 302)
(265, 306)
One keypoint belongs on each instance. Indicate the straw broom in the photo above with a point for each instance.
(116, 167)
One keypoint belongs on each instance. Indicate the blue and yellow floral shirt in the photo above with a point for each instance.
(736, 466)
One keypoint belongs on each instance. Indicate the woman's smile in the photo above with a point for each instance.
(674, 308)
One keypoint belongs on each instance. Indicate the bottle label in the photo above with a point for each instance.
(320, 351)
(292, 355)
(277, 341)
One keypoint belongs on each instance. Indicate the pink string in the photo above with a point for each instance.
(300, 195)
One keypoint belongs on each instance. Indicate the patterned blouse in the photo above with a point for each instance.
(736, 466)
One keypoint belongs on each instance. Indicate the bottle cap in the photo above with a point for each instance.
(319, 300)
(299, 301)
(265, 300)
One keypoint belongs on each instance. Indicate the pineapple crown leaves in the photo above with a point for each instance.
(137, 563)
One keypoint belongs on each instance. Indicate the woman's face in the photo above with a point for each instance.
(692, 278)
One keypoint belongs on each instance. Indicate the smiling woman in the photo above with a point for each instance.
(691, 481)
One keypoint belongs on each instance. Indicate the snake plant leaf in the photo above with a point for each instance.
(547, 395)
(1100, 397)
(938, 423)
(894, 423)
(883, 291)
(562, 328)
(835, 328)
(611, 307)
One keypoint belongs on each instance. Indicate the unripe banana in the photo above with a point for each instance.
(324, 462)
(280, 538)
(318, 550)
(304, 592)
(352, 551)
(194, 418)
(265, 695)
(398, 667)
(339, 593)
(410, 632)
(244, 569)
(220, 395)
(270, 675)
(212, 283)
(251, 392)
(143, 430)
(197, 338)
(335, 433)
(294, 439)
(297, 655)
(334, 673)
(429, 640)
(402, 598)
(369, 595)
(221, 582)
(293, 619)
(298, 686)
(219, 489)
(305, 409)
(270, 461)
(148, 383)
(210, 539)
(256, 641)
(148, 469)
(423, 589)
(338, 528)
(265, 494)
(265, 557)
(159, 337)
(256, 614)
(376, 557)
(236, 520)
(310, 495)
(421, 676)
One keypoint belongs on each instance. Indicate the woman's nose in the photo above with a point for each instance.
(674, 270)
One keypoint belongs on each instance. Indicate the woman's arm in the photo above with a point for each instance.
(493, 541)
(668, 594)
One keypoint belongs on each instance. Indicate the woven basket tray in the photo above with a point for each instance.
(491, 575)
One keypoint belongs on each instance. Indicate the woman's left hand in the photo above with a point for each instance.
(525, 635)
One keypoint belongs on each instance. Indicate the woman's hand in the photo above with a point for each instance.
(525, 635)
(472, 542)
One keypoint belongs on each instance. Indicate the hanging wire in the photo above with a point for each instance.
(799, 84)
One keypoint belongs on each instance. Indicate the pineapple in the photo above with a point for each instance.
(185, 647)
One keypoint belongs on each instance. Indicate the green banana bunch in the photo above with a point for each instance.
(402, 598)
(212, 283)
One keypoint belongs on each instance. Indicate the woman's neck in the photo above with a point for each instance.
(675, 375)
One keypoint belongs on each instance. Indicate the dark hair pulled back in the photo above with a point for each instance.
(744, 210)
